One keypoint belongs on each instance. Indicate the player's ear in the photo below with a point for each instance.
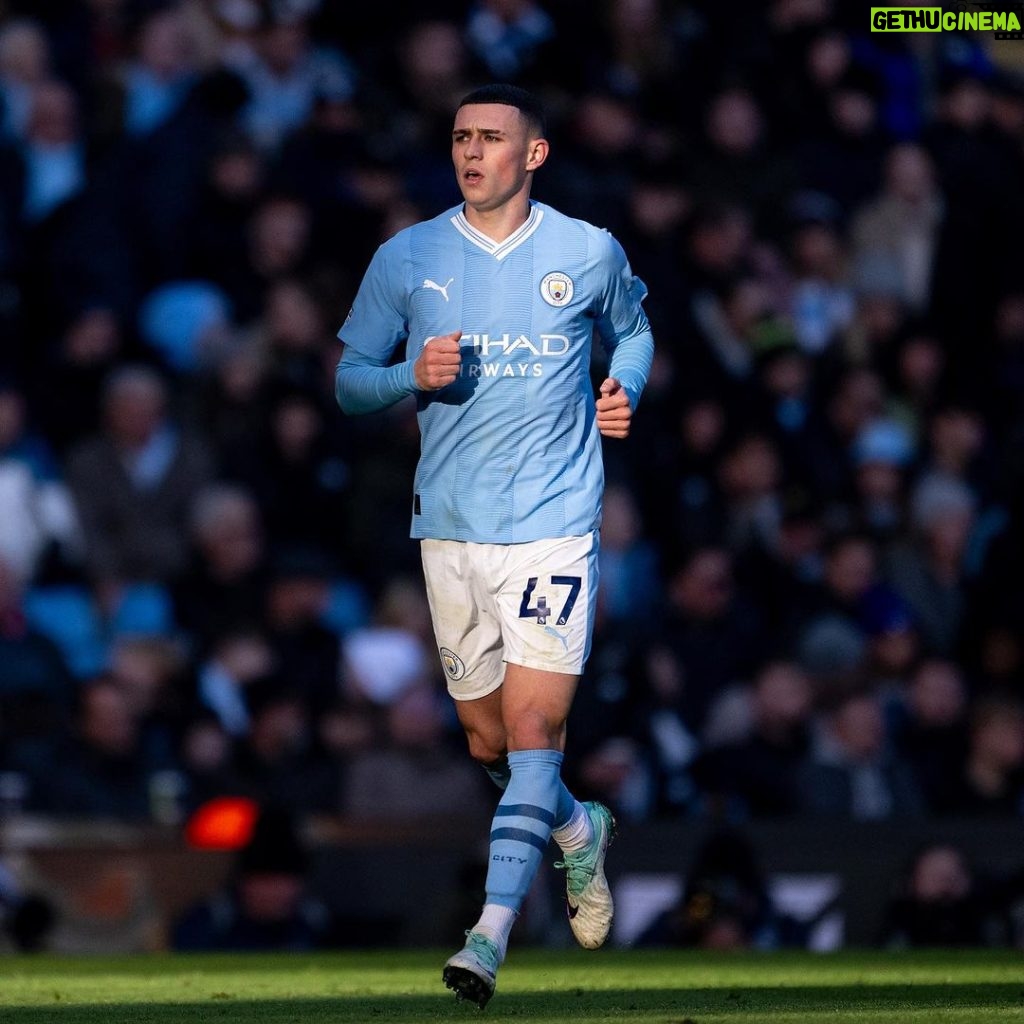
(536, 153)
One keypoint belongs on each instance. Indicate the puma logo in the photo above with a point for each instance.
(434, 286)
(556, 635)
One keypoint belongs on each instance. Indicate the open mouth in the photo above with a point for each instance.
(472, 176)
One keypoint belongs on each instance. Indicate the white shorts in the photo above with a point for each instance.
(527, 604)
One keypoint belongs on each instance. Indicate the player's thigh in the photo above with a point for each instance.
(464, 618)
(547, 603)
(483, 722)
(535, 706)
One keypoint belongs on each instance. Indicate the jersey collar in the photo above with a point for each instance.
(499, 250)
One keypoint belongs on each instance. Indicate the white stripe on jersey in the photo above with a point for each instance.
(499, 250)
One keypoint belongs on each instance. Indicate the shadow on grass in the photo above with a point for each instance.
(659, 1006)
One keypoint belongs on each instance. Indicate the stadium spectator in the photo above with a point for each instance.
(659, 203)
(727, 317)
(916, 373)
(145, 91)
(298, 473)
(26, 63)
(284, 72)
(205, 753)
(883, 454)
(851, 769)
(278, 243)
(151, 671)
(221, 590)
(687, 454)
(750, 483)
(893, 639)
(510, 38)
(133, 482)
(720, 244)
(416, 769)
(78, 359)
(895, 234)
(739, 161)
(635, 48)
(788, 411)
(628, 563)
(231, 187)
(276, 759)
(391, 653)
(946, 901)
(854, 399)
(830, 637)
(710, 637)
(603, 133)
(306, 650)
(53, 155)
(840, 154)
(990, 781)
(101, 767)
(928, 722)
(756, 774)
(928, 566)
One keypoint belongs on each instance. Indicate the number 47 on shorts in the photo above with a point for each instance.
(541, 611)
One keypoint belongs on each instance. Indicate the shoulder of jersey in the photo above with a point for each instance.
(403, 235)
(551, 215)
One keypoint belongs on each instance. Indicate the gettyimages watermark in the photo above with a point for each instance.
(1004, 20)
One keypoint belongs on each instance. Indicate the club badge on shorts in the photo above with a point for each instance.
(556, 288)
(452, 663)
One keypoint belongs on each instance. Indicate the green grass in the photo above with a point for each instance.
(534, 987)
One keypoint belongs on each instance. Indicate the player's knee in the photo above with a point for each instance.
(486, 748)
(534, 730)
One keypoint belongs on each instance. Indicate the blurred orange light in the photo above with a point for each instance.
(225, 823)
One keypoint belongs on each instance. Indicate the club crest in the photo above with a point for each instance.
(453, 664)
(556, 288)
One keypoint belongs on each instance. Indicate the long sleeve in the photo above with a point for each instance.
(630, 363)
(363, 385)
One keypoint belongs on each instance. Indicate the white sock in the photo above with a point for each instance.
(576, 833)
(496, 922)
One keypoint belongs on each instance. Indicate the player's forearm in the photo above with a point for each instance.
(363, 387)
(630, 364)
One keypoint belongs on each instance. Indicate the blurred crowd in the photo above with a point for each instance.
(813, 542)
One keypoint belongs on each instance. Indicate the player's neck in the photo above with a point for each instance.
(500, 223)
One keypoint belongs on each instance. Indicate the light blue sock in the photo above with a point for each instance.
(522, 824)
(500, 774)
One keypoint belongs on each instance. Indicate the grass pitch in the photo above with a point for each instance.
(534, 987)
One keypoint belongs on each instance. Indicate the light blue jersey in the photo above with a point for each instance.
(510, 451)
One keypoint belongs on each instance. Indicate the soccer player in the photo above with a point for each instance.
(497, 301)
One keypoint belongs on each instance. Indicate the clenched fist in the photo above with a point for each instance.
(439, 363)
(614, 413)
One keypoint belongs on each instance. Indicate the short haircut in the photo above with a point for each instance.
(523, 100)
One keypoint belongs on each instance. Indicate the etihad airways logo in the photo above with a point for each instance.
(505, 355)
(486, 345)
